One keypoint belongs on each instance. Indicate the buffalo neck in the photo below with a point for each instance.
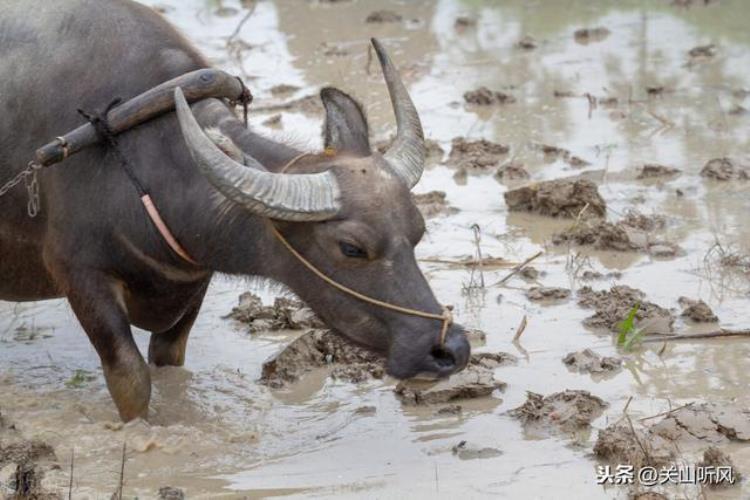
(219, 234)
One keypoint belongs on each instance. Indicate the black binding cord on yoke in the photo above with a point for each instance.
(100, 124)
(245, 98)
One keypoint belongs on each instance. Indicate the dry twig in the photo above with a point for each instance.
(521, 328)
(698, 336)
(519, 267)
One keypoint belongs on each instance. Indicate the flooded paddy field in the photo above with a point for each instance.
(640, 107)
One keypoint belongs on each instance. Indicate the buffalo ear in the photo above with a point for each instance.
(345, 128)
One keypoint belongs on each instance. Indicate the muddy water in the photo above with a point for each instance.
(216, 433)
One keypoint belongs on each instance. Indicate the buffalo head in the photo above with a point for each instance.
(349, 212)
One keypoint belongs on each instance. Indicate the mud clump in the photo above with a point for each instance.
(449, 410)
(607, 102)
(284, 314)
(317, 349)
(486, 97)
(383, 16)
(612, 306)
(20, 451)
(622, 444)
(468, 451)
(656, 171)
(463, 23)
(558, 198)
(23, 464)
(697, 310)
(714, 458)
(637, 220)
(689, 426)
(708, 422)
(702, 52)
(589, 275)
(601, 235)
(527, 43)
(724, 169)
(564, 94)
(170, 493)
(587, 360)
(554, 153)
(547, 294)
(477, 380)
(631, 233)
(530, 273)
(476, 155)
(568, 411)
(584, 36)
(655, 90)
(512, 172)
(475, 336)
(433, 203)
(492, 360)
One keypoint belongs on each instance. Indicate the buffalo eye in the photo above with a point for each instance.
(353, 251)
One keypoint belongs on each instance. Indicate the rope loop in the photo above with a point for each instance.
(446, 317)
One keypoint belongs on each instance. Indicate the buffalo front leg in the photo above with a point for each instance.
(168, 348)
(98, 304)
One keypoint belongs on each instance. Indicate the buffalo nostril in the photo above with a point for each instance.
(443, 358)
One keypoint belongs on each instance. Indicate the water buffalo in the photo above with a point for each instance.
(350, 213)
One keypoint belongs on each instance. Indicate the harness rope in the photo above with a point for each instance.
(446, 317)
(99, 121)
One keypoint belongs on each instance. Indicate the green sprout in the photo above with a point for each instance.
(79, 379)
(629, 334)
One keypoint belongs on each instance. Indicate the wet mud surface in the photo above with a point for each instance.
(318, 349)
(476, 155)
(24, 463)
(475, 381)
(589, 361)
(633, 232)
(612, 306)
(665, 440)
(613, 137)
(570, 199)
(434, 204)
(567, 411)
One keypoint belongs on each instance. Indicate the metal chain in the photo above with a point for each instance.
(29, 177)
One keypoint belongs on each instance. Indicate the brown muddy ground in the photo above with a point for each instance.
(645, 99)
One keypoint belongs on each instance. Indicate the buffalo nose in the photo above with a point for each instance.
(453, 355)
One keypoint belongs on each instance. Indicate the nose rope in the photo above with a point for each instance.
(446, 317)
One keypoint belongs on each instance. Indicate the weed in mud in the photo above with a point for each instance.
(79, 379)
(476, 276)
(725, 267)
(727, 257)
(628, 334)
(576, 262)
(30, 333)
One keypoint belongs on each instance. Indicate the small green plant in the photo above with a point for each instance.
(629, 334)
(79, 379)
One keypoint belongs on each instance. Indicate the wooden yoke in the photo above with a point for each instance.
(196, 85)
